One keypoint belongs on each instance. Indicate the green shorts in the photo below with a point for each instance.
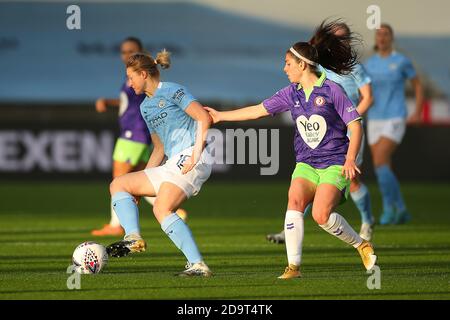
(331, 175)
(131, 152)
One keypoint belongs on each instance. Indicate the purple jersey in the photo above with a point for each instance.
(321, 121)
(132, 125)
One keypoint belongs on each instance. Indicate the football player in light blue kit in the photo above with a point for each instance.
(178, 126)
(386, 124)
(357, 87)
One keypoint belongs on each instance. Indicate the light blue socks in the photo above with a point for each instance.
(180, 234)
(178, 231)
(390, 190)
(308, 210)
(361, 198)
(126, 209)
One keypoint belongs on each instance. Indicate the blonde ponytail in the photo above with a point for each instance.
(163, 59)
(145, 62)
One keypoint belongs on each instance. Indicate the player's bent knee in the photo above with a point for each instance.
(297, 203)
(116, 185)
(113, 186)
(380, 160)
(160, 211)
(320, 217)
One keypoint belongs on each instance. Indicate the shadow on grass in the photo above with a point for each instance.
(314, 271)
(370, 294)
(44, 231)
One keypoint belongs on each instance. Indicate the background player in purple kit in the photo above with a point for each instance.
(325, 156)
(133, 147)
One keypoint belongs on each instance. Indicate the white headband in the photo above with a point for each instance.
(298, 55)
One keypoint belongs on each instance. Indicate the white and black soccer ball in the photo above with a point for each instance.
(89, 258)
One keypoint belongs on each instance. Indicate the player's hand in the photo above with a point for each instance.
(215, 115)
(100, 105)
(414, 118)
(350, 169)
(189, 164)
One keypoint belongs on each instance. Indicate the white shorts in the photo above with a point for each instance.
(393, 129)
(170, 171)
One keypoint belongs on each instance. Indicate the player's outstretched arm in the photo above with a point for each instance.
(101, 104)
(243, 114)
(157, 155)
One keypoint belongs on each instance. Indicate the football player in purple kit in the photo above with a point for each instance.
(357, 86)
(325, 156)
(133, 147)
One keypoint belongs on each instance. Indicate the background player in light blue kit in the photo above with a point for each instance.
(357, 87)
(178, 125)
(386, 125)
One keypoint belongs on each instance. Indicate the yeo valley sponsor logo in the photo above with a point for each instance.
(312, 130)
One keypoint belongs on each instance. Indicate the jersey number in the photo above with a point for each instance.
(180, 162)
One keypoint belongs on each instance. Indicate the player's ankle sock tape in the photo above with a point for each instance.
(180, 234)
(293, 232)
(339, 227)
(126, 209)
(361, 198)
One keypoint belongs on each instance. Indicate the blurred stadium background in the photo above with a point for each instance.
(228, 53)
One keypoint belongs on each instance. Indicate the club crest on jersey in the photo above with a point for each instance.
(161, 103)
(393, 66)
(319, 101)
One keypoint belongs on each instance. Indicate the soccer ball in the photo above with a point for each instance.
(89, 258)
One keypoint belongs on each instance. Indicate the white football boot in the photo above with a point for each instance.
(199, 269)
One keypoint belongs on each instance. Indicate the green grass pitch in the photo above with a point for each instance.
(42, 223)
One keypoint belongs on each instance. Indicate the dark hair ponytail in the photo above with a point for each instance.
(336, 52)
(333, 52)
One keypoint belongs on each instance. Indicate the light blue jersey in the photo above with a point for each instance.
(165, 115)
(388, 82)
(352, 82)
